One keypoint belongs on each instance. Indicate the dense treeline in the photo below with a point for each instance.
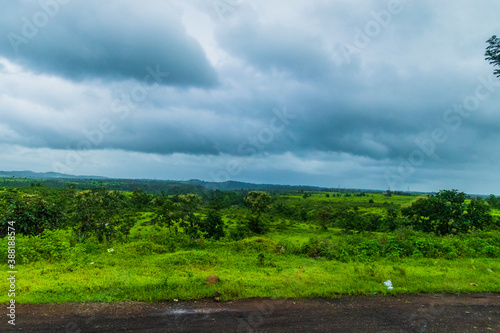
(128, 185)
(109, 215)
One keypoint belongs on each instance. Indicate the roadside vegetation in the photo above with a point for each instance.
(93, 244)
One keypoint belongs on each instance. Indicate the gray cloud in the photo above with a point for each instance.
(112, 41)
(354, 119)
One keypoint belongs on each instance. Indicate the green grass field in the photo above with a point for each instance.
(143, 270)
(292, 259)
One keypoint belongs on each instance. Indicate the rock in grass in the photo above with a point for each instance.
(211, 280)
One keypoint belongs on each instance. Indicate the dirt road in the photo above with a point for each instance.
(408, 313)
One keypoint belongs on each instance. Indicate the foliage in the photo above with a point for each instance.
(324, 218)
(33, 214)
(405, 245)
(166, 214)
(478, 214)
(50, 245)
(140, 199)
(258, 202)
(96, 213)
(294, 257)
(180, 239)
(493, 201)
(213, 226)
(492, 54)
(446, 212)
(187, 207)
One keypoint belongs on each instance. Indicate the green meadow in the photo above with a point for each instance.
(297, 254)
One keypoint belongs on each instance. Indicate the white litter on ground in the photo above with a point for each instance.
(388, 284)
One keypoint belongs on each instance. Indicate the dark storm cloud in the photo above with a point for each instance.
(113, 40)
(367, 106)
(350, 115)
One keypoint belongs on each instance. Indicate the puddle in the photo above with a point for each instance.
(192, 311)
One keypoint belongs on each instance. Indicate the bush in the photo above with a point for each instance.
(406, 243)
(213, 226)
(239, 232)
(316, 248)
(32, 215)
(50, 245)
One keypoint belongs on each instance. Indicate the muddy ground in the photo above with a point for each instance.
(407, 313)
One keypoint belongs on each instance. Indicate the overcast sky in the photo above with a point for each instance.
(358, 94)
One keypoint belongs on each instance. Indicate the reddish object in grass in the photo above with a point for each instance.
(211, 280)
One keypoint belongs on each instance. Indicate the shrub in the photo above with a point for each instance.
(33, 215)
(49, 245)
(213, 226)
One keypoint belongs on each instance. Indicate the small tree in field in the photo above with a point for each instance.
(97, 212)
(258, 202)
(213, 225)
(167, 215)
(324, 218)
(188, 206)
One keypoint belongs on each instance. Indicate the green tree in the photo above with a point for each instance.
(492, 54)
(96, 213)
(140, 200)
(324, 218)
(455, 202)
(432, 214)
(493, 201)
(212, 225)
(348, 219)
(258, 203)
(33, 214)
(478, 214)
(446, 212)
(188, 206)
(167, 214)
(392, 218)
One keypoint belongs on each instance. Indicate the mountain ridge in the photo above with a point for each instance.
(223, 186)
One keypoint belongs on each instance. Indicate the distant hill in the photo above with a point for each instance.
(153, 185)
(148, 183)
(235, 185)
(44, 175)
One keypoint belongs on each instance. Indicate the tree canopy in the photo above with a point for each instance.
(493, 53)
(447, 212)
